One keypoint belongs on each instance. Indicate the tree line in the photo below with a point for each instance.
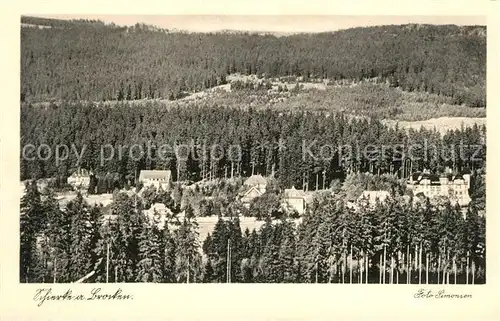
(303, 149)
(89, 60)
(396, 241)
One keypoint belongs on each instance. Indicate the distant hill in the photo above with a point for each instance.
(91, 60)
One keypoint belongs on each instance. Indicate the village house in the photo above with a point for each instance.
(258, 182)
(248, 196)
(80, 178)
(454, 187)
(255, 186)
(295, 199)
(155, 178)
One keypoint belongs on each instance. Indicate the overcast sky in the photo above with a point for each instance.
(208, 23)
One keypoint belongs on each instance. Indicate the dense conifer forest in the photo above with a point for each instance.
(89, 89)
(289, 145)
(397, 241)
(89, 60)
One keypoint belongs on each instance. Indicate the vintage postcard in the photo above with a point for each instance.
(239, 165)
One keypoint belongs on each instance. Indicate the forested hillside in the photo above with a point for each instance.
(314, 112)
(89, 60)
(290, 144)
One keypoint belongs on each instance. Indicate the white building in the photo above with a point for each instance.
(155, 178)
(295, 199)
(455, 187)
(255, 186)
(250, 195)
(80, 178)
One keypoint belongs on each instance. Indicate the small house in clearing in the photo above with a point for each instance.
(255, 186)
(155, 178)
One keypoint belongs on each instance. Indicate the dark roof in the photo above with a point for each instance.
(433, 178)
(81, 172)
(416, 175)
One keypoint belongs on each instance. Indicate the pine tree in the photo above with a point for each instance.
(208, 274)
(59, 237)
(188, 256)
(31, 223)
(84, 231)
(169, 255)
(287, 252)
(150, 267)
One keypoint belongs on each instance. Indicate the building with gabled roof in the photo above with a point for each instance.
(296, 199)
(257, 181)
(80, 178)
(454, 187)
(156, 178)
(248, 196)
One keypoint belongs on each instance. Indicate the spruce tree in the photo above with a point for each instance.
(150, 267)
(59, 237)
(106, 252)
(218, 251)
(287, 252)
(31, 223)
(271, 265)
(169, 255)
(84, 231)
(236, 248)
(188, 256)
(208, 273)
(129, 223)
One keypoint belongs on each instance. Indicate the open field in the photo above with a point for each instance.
(441, 124)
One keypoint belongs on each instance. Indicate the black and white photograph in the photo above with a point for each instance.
(252, 149)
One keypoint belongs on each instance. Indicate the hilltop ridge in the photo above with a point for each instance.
(91, 60)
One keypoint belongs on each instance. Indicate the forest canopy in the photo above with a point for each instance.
(90, 60)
